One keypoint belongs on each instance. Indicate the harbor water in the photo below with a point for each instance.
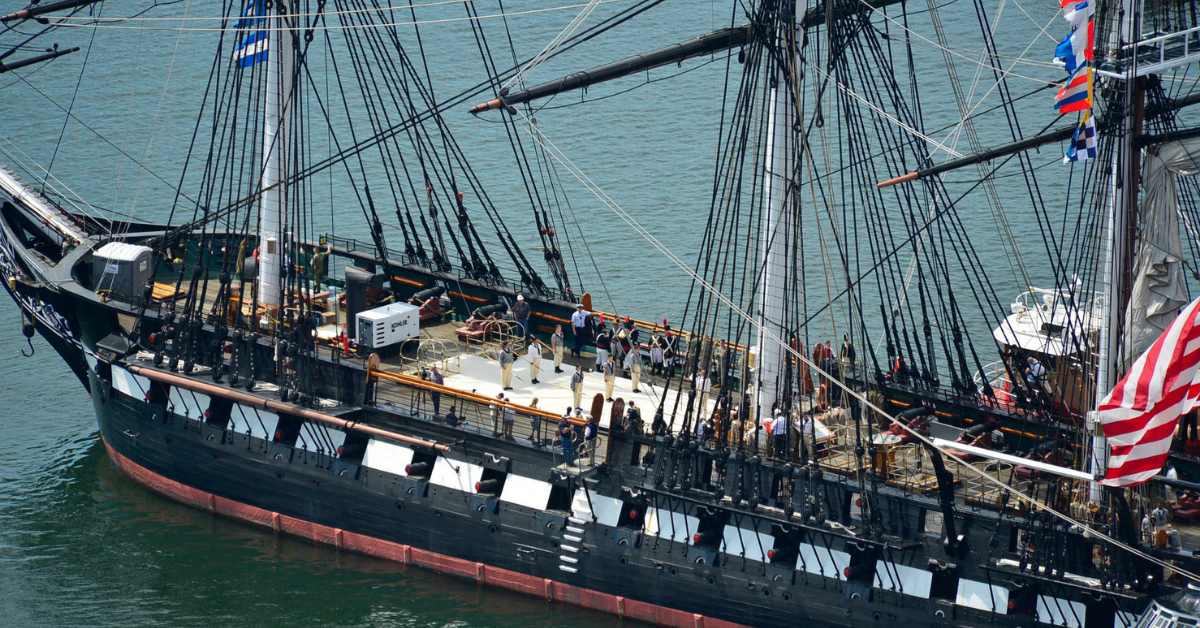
(82, 545)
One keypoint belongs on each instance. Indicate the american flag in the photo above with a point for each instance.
(1139, 415)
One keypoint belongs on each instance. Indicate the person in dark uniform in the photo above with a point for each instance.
(435, 377)
(566, 434)
(602, 346)
(520, 313)
(579, 323)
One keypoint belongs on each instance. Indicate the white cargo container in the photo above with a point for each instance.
(388, 325)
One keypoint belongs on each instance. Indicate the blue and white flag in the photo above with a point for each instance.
(1079, 14)
(1083, 142)
(1076, 48)
(252, 42)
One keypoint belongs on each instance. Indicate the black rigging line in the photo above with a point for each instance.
(74, 94)
(462, 97)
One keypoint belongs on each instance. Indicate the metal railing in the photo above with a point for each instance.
(485, 415)
(1162, 52)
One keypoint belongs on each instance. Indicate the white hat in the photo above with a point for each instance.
(579, 306)
(520, 297)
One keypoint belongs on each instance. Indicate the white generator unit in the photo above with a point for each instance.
(388, 325)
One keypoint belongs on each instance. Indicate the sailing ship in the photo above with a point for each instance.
(244, 364)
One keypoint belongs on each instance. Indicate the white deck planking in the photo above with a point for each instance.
(553, 392)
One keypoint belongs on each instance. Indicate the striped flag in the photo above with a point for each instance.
(1140, 414)
(1076, 48)
(252, 47)
(1083, 142)
(1076, 94)
(1079, 14)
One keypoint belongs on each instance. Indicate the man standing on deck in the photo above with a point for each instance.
(1035, 374)
(435, 377)
(633, 364)
(506, 367)
(610, 376)
(579, 322)
(556, 347)
(566, 433)
(602, 340)
(534, 355)
(577, 384)
(779, 434)
(848, 352)
(656, 354)
(520, 313)
(320, 268)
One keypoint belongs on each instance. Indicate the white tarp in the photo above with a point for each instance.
(135, 386)
(606, 509)
(317, 437)
(251, 420)
(903, 579)
(1158, 287)
(188, 403)
(982, 596)
(526, 492)
(456, 474)
(387, 457)
(1059, 612)
(819, 560)
(741, 542)
(671, 525)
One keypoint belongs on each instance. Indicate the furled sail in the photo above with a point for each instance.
(1158, 287)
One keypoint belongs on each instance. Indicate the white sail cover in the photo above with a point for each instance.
(1158, 289)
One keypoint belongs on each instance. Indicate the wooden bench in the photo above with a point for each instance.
(166, 291)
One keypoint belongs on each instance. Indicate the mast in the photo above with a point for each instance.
(1120, 222)
(775, 238)
(273, 206)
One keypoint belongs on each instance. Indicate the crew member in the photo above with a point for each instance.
(495, 411)
(779, 434)
(670, 348)
(656, 354)
(320, 267)
(1035, 374)
(633, 364)
(620, 343)
(556, 347)
(579, 323)
(510, 420)
(520, 313)
(590, 432)
(535, 425)
(566, 433)
(610, 376)
(602, 346)
(506, 367)
(577, 384)
(534, 355)
(436, 377)
(634, 419)
(848, 352)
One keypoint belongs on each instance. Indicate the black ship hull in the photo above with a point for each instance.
(566, 549)
(501, 545)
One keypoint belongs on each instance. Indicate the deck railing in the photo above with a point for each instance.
(485, 415)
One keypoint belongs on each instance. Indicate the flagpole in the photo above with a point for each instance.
(778, 218)
(1121, 221)
(272, 209)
